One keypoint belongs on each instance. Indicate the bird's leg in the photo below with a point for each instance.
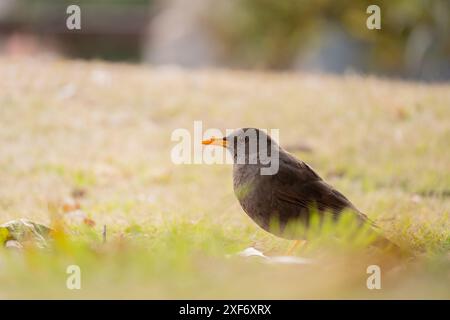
(295, 245)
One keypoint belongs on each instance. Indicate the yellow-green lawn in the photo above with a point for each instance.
(173, 231)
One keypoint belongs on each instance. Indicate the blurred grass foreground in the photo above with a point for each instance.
(88, 143)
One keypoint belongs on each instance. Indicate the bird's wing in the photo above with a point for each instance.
(299, 187)
(316, 194)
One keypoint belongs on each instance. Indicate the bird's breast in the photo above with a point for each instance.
(254, 194)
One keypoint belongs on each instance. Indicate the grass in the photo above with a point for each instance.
(102, 131)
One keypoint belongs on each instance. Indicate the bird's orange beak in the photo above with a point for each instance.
(216, 142)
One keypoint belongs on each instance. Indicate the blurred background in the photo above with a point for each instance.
(324, 36)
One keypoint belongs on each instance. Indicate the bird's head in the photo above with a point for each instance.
(247, 145)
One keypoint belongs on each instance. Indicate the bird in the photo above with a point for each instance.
(290, 194)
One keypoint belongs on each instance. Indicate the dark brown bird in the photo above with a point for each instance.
(273, 186)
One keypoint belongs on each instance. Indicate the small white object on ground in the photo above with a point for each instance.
(252, 252)
(13, 244)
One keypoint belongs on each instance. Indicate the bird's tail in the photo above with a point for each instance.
(387, 246)
(384, 244)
